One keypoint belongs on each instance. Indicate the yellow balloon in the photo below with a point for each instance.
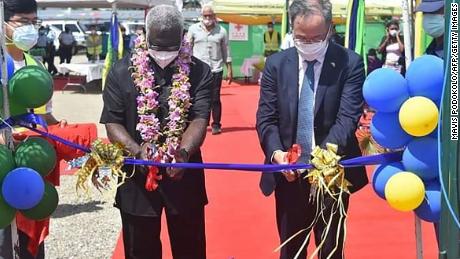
(405, 191)
(418, 116)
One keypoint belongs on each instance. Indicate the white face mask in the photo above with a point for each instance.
(25, 37)
(311, 51)
(393, 33)
(433, 24)
(163, 58)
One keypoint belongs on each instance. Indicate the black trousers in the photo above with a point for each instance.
(50, 60)
(65, 54)
(141, 235)
(216, 105)
(294, 212)
(6, 247)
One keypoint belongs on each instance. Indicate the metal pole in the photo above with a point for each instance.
(6, 133)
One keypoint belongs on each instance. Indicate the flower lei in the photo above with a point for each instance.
(164, 139)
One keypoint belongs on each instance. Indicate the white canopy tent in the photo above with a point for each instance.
(106, 3)
(263, 11)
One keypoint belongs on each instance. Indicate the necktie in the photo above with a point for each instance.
(305, 113)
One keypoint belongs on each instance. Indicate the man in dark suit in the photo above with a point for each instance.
(181, 195)
(310, 95)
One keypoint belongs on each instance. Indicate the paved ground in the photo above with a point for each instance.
(81, 228)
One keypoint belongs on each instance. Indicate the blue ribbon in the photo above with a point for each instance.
(59, 139)
(353, 162)
(27, 120)
(30, 121)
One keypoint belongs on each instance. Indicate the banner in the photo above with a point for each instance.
(238, 32)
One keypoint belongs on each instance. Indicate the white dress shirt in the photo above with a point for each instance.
(317, 69)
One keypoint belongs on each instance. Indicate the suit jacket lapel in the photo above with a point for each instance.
(329, 75)
(291, 81)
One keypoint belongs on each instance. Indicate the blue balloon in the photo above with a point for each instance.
(421, 158)
(425, 77)
(385, 90)
(9, 67)
(381, 176)
(434, 134)
(430, 209)
(23, 188)
(387, 131)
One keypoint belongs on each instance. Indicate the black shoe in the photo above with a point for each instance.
(216, 130)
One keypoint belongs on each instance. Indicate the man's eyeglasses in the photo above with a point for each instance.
(312, 41)
(22, 22)
(304, 41)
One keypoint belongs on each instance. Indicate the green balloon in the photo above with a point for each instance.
(6, 162)
(47, 205)
(7, 213)
(31, 87)
(15, 108)
(36, 153)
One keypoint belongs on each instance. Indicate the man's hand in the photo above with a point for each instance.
(280, 158)
(63, 123)
(142, 155)
(181, 156)
(229, 77)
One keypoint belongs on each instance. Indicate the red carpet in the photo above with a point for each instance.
(240, 221)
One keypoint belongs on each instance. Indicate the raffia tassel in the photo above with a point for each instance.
(103, 155)
(327, 178)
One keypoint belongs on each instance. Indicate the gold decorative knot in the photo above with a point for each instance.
(327, 172)
(103, 166)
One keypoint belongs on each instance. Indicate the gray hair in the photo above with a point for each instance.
(309, 7)
(207, 6)
(164, 18)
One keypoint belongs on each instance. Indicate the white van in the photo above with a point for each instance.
(58, 26)
(132, 26)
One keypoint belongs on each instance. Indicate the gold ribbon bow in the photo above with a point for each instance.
(327, 172)
(103, 166)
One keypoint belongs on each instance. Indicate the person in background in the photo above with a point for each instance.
(67, 43)
(373, 61)
(392, 48)
(140, 30)
(272, 40)
(93, 45)
(288, 41)
(210, 45)
(20, 27)
(50, 51)
(433, 25)
(105, 41)
(39, 50)
(126, 40)
(336, 37)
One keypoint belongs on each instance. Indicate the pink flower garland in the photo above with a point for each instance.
(179, 102)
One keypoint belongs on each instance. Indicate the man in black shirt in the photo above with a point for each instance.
(181, 193)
